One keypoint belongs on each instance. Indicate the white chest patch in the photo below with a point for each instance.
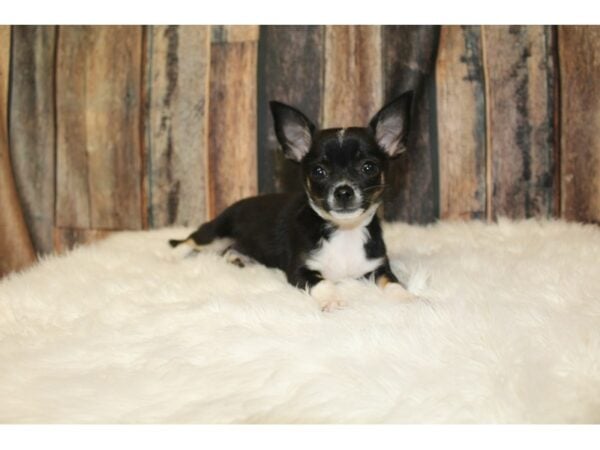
(343, 255)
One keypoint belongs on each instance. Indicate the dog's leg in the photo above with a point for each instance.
(326, 294)
(237, 258)
(387, 281)
(323, 291)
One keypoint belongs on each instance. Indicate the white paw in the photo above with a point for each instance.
(397, 292)
(326, 295)
(332, 305)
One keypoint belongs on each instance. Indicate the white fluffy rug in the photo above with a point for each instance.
(507, 330)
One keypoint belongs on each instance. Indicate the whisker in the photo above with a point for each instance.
(374, 187)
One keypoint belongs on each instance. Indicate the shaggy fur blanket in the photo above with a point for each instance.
(506, 329)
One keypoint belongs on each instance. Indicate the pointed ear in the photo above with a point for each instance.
(294, 131)
(390, 125)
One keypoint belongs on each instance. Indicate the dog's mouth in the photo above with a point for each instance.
(346, 213)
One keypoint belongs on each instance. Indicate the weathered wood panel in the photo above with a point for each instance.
(98, 87)
(460, 95)
(520, 110)
(67, 238)
(353, 76)
(235, 33)
(176, 115)
(232, 168)
(32, 125)
(409, 54)
(16, 250)
(579, 56)
(290, 65)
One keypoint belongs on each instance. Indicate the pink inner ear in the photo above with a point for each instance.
(298, 138)
(388, 134)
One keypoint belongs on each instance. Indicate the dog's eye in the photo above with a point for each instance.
(370, 169)
(318, 172)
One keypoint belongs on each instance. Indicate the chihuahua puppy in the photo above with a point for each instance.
(329, 232)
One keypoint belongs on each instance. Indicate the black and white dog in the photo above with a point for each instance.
(329, 232)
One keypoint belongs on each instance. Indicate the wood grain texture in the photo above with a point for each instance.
(175, 120)
(66, 239)
(520, 77)
(32, 123)
(353, 85)
(98, 87)
(409, 54)
(579, 56)
(290, 65)
(234, 33)
(231, 165)
(16, 249)
(460, 99)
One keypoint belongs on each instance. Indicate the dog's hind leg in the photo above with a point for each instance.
(237, 258)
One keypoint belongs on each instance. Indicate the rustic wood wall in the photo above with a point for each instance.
(107, 128)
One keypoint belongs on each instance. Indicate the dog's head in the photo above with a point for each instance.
(344, 169)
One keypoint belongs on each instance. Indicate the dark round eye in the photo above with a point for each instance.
(318, 172)
(370, 169)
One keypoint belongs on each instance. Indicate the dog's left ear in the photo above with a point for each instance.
(293, 129)
(390, 125)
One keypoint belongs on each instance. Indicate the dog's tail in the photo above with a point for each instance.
(175, 242)
(204, 235)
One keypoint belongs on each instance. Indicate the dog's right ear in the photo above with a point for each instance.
(293, 129)
(390, 125)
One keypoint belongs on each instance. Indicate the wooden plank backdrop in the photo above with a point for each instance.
(409, 54)
(107, 128)
(231, 162)
(520, 108)
(16, 249)
(32, 125)
(579, 48)
(353, 75)
(175, 115)
(460, 95)
(98, 106)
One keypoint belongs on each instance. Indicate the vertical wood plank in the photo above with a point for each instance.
(72, 204)
(353, 75)
(32, 124)
(520, 78)
(579, 56)
(175, 120)
(290, 69)
(460, 95)
(16, 250)
(232, 167)
(409, 54)
(235, 33)
(98, 87)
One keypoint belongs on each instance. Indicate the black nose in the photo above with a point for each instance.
(343, 193)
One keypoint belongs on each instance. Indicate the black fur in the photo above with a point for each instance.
(341, 174)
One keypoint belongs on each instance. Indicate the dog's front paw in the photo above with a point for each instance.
(397, 292)
(332, 305)
(327, 296)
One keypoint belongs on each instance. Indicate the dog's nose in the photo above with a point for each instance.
(343, 193)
